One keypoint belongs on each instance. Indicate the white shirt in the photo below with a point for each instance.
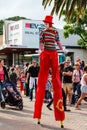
(83, 83)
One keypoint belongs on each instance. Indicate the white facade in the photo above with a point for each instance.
(24, 33)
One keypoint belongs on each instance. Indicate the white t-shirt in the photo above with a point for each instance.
(83, 83)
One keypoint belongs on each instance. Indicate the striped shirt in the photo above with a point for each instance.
(49, 37)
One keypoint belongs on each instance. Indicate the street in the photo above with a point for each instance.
(13, 119)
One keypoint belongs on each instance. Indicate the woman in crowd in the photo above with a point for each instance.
(3, 76)
(83, 88)
(76, 78)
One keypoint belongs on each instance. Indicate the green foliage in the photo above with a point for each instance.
(15, 18)
(77, 27)
(69, 29)
(1, 27)
(66, 34)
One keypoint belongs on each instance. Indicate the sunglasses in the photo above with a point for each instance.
(67, 62)
(76, 65)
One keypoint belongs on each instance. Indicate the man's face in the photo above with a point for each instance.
(34, 63)
(2, 62)
(47, 25)
(67, 64)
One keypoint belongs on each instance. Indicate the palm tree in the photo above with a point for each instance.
(68, 5)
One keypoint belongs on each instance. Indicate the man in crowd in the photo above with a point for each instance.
(67, 79)
(33, 74)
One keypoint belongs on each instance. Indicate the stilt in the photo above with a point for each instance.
(61, 124)
(38, 122)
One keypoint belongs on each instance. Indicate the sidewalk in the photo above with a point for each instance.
(13, 119)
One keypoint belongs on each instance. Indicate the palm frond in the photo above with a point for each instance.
(46, 2)
(70, 12)
(68, 5)
(56, 7)
(62, 9)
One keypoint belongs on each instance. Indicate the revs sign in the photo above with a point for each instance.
(31, 29)
(34, 25)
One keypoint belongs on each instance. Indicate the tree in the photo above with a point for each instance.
(77, 28)
(68, 5)
(1, 27)
(16, 18)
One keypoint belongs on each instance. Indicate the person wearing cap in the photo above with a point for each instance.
(67, 79)
(49, 38)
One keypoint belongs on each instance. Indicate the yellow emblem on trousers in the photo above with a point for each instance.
(59, 105)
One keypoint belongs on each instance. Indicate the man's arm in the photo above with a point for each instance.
(59, 45)
(69, 73)
(58, 41)
(85, 79)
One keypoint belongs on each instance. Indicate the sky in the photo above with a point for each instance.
(31, 9)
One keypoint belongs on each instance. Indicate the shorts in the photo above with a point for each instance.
(68, 88)
(83, 89)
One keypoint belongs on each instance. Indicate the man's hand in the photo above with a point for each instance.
(38, 51)
(65, 50)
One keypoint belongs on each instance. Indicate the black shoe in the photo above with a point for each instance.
(3, 104)
(30, 99)
(49, 108)
(38, 122)
(68, 110)
(62, 126)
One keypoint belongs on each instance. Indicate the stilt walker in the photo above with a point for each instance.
(49, 58)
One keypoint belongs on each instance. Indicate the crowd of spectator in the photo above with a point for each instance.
(26, 79)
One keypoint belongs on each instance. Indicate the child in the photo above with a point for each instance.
(83, 88)
(14, 93)
(13, 76)
(22, 81)
(48, 94)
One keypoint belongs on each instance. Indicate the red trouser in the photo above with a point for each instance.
(49, 59)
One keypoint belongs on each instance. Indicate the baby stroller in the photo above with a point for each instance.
(11, 95)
